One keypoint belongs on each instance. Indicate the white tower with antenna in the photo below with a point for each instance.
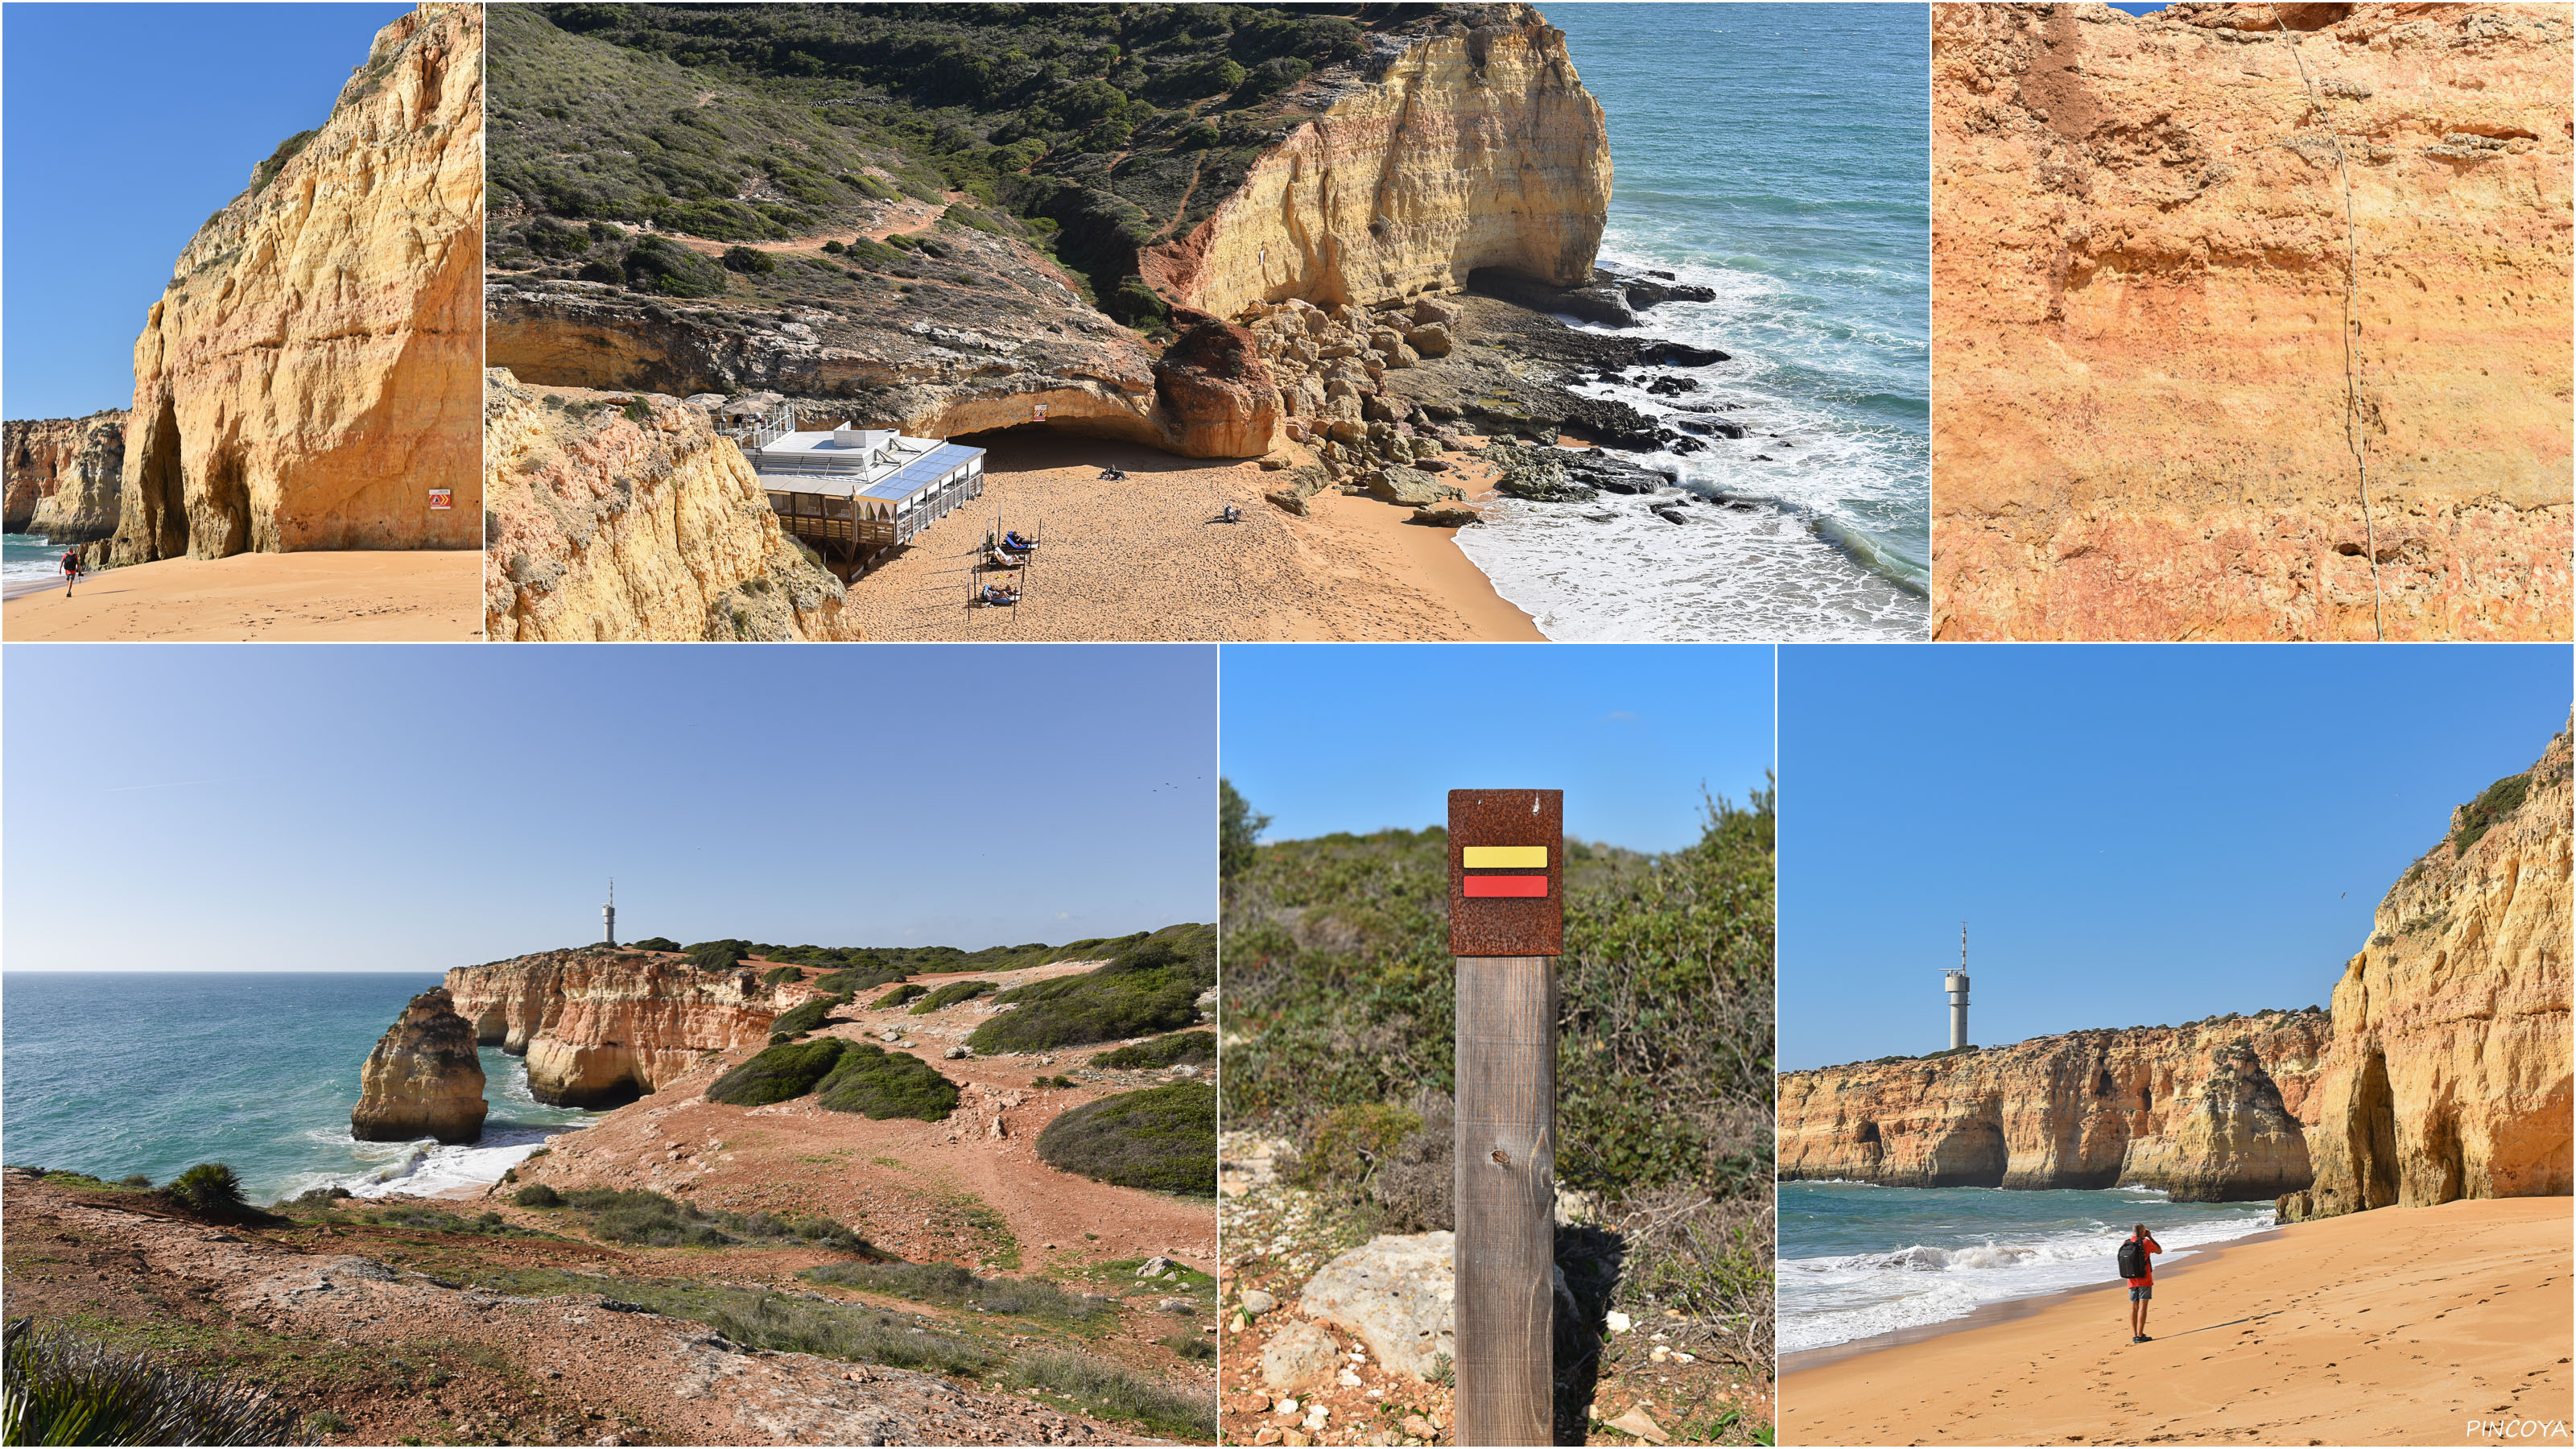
(1956, 983)
(608, 915)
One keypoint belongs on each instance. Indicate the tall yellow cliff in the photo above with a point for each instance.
(2449, 1073)
(2210, 1111)
(307, 378)
(602, 1026)
(1472, 145)
(2141, 236)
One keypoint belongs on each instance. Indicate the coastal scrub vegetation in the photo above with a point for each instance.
(65, 1389)
(1151, 987)
(1162, 1139)
(648, 1219)
(1161, 1051)
(655, 943)
(2493, 804)
(777, 1074)
(953, 993)
(908, 991)
(949, 1284)
(852, 980)
(1092, 131)
(718, 955)
(798, 1020)
(1340, 983)
(879, 1084)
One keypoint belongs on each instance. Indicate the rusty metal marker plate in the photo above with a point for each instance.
(1506, 872)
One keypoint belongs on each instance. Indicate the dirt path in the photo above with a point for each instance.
(400, 1356)
(906, 215)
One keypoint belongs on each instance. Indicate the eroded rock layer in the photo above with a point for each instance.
(61, 475)
(1468, 142)
(2140, 250)
(2210, 1111)
(629, 517)
(2448, 1075)
(307, 378)
(424, 1079)
(602, 1026)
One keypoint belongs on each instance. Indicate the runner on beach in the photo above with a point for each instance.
(2141, 1273)
(71, 570)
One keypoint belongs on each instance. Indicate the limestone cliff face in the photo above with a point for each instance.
(632, 518)
(2140, 251)
(601, 1026)
(424, 1079)
(308, 375)
(61, 475)
(2448, 1075)
(1468, 142)
(2211, 1112)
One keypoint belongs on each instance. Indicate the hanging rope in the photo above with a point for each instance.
(2353, 437)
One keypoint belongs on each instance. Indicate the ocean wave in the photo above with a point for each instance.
(425, 1167)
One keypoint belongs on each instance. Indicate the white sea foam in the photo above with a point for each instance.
(1830, 1300)
(425, 1167)
(1823, 542)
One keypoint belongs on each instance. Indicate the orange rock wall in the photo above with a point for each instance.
(603, 1026)
(2139, 262)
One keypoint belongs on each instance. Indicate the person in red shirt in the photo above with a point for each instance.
(2143, 1287)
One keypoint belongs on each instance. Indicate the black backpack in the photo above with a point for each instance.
(2133, 1259)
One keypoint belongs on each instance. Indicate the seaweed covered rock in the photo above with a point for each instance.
(424, 1079)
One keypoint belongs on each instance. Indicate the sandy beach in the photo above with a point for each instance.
(2400, 1326)
(1147, 558)
(390, 596)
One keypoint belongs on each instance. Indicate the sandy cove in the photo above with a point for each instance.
(376, 596)
(908, 1186)
(1146, 559)
(2399, 1326)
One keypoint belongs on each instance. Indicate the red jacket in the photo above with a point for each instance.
(2152, 1248)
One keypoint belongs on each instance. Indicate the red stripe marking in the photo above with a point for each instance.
(1507, 885)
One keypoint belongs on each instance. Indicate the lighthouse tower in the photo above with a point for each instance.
(1956, 983)
(608, 916)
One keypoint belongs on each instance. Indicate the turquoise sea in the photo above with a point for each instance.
(1777, 154)
(112, 1073)
(28, 556)
(1858, 1260)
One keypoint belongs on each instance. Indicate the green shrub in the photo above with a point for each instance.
(1162, 1138)
(777, 974)
(749, 260)
(796, 1021)
(655, 943)
(953, 993)
(834, 248)
(948, 1283)
(1346, 1144)
(1162, 1051)
(656, 264)
(1191, 1345)
(879, 1084)
(1151, 987)
(901, 994)
(210, 1190)
(286, 151)
(538, 1195)
(778, 1074)
(61, 1389)
(555, 241)
(2493, 804)
(857, 979)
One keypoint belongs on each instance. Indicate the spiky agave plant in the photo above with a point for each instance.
(59, 1389)
(209, 1189)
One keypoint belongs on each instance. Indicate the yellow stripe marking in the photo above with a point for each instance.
(1505, 857)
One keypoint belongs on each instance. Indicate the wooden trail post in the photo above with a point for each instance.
(1506, 927)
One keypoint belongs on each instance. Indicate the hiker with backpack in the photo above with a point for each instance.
(71, 570)
(2141, 1273)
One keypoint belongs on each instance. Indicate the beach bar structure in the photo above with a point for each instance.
(853, 491)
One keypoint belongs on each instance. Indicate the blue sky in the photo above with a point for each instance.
(413, 808)
(125, 127)
(2135, 835)
(1360, 737)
